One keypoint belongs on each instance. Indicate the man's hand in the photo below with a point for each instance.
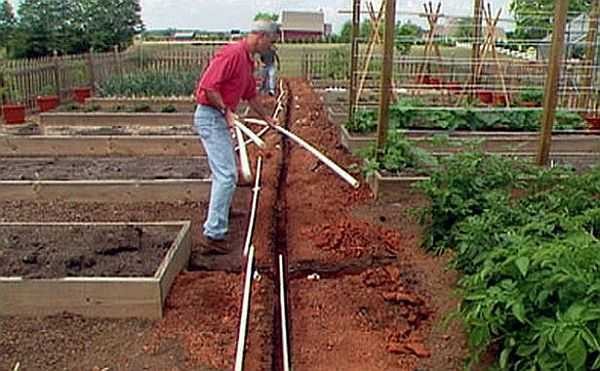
(230, 118)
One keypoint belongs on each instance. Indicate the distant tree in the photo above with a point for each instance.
(464, 28)
(406, 35)
(534, 18)
(73, 26)
(8, 22)
(113, 22)
(346, 32)
(266, 16)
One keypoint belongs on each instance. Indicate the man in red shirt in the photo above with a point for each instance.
(228, 78)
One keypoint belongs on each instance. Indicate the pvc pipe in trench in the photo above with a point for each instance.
(241, 342)
(255, 192)
(282, 308)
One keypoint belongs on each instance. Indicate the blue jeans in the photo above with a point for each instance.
(268, 78)
(212, 128)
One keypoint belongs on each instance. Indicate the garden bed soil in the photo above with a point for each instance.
(119, 130)
(197, 334)
(94, 168)
(51, 251)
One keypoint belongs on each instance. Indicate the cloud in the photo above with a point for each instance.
(223, 15)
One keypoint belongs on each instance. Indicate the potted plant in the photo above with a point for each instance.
(486, 96)
(48, 99)
(501, 99)
(80, 93)
(531, 98)
(593, 120)
(14, 110)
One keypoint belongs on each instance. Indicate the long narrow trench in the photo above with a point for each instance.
(279, 238)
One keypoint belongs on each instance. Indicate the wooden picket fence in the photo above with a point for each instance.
(23, 80)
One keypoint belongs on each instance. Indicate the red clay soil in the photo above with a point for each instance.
(202, 313)
(382, 318)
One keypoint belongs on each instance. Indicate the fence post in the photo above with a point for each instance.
(90, 60)
(56, 70)
(118, 63)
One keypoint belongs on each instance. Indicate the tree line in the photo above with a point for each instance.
(40, 27)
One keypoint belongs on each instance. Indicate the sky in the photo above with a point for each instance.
(224, 15)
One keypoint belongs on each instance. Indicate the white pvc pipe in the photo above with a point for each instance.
(250, 134)
(241, 342)
(255, 192)
(257, 121)
(332, 165)
(259, 134)
(244, 162)
(284, 334)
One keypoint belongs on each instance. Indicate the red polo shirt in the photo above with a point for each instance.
(230, 72)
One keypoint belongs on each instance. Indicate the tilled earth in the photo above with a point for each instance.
(363, 295)
(114, 168)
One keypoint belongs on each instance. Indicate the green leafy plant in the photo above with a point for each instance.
(47, 90)
(150, 84)
(398, 155)
(535, 96)
(363, 121)
(526, 240)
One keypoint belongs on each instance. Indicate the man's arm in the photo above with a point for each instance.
(216, 100)
(258, 108)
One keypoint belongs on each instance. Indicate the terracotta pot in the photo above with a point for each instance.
(14, 113)
(500, 99)
(434, 81)
(79, 94)
(47, 102)
(453, 86)
(592, 121)
(486, 97)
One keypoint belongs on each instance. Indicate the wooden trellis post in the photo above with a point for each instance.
(590, 55)
(476, 52)
(386, 78)
(551, 86)
(432, 19)
(353, 58)
(489, 45)
(374, 39)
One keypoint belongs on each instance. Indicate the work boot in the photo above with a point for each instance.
(214, 247)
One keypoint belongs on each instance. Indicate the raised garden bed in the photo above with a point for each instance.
(115, 119)
(93, 269)
(112, 179)
(156, 104)
(521, 142)
(387, 187)
(77, 168)
(42, 145)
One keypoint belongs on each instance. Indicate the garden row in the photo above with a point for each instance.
(526, 241)
(144, 89)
